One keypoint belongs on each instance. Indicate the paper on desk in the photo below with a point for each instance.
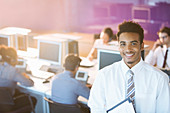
(85, 62)
(123, 107)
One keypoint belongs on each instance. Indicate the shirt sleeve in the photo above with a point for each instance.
(163, 96)
(22, 79)
(97, 96)
(97, 43)
(150, 58)
(83, 91)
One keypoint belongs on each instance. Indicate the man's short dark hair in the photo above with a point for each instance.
(130, 26)
(71, 62)
(165, 30)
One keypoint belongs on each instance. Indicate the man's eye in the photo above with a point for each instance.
(134, 43)
(122, 44)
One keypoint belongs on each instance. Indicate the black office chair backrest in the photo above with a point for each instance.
(62, 108)
(6, 99)
(6, 96)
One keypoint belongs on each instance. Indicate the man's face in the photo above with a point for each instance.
(105, 37)
(130, 48)
(164, 38)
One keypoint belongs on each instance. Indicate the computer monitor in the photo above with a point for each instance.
(54, 51)
(141, 14)
(19, 42)
(5, 40)
(21, 65)
(82, 76)
(107, 57)
(50, 51)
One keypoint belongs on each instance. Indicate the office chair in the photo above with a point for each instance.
(62, 108)
(6, 98)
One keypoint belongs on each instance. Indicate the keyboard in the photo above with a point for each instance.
(42, 74)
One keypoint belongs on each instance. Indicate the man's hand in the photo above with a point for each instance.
(156, 44)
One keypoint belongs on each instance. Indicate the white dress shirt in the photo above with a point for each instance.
(152, 92)
(157, 57)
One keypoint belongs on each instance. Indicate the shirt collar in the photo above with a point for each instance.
(6, 64)
(70, 74)
(164, 48)
(124, 67)
(135, 68)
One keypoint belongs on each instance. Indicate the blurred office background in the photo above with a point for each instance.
(86, 16)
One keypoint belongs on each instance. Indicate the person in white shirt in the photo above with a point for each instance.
(158, 52)
(105, 37)
(151, 87)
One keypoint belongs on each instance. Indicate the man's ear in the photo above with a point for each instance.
(77, 67)
(142, 46)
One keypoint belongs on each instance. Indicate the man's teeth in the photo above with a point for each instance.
(129, 55)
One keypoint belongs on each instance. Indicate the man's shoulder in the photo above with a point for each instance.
(154, 70)
(110, 67)
(158, 50)
(56, 77)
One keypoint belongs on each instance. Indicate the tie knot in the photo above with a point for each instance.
(130, 72)
(167, 50)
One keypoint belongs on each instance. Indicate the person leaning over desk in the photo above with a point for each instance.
(150, 92)
(9, 76)
(160, 49)
(65, 88)
(105, 37)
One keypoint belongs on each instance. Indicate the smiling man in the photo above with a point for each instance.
(146, 86)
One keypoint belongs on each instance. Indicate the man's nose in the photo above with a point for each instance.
(128, 47)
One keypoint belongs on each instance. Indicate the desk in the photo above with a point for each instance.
(40, 90)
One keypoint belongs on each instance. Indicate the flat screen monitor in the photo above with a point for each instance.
(5, 40)
(141, 14)
(107, 57)
(50, 51)
(81, 75)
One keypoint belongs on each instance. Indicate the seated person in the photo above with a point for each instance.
(105, 36)
(65, 88)
(161, 48)
(10, 76)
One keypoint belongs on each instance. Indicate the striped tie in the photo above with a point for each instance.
(131, 87)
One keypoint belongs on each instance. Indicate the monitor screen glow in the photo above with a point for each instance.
(50, 51)
(107, 57)
(81, 75)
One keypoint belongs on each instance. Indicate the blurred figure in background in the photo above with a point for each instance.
(65, 88)
(10, 76)
(159, 56)
(105, 36)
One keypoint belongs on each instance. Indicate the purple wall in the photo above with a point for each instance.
(44, 16)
